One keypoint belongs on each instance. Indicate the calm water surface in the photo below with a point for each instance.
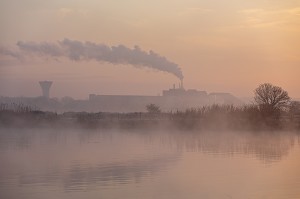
(39, 163)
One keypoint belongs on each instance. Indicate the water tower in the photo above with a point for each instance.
(45, 85)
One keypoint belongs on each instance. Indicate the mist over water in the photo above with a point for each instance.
(73, 163)
(82, 115)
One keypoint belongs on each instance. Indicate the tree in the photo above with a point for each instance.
(152, 108)
(271, 97)
(294, 108)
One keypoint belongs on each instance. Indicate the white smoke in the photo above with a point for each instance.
(77, 51)
(9, 52)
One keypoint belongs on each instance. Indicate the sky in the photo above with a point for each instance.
(220, 46)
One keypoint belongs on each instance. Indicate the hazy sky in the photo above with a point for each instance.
(230, 46)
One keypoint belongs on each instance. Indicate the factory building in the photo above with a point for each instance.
(171, 100)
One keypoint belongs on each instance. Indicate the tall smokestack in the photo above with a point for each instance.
(181, 85)
(45, 85)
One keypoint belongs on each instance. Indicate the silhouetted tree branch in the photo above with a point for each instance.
(273, 97)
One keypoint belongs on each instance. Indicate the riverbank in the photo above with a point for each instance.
(214, 117)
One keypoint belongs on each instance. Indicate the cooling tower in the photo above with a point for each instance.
(45, 85)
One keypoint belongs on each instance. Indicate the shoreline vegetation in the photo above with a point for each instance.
(214, 117)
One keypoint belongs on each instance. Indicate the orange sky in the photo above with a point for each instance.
(230, 46)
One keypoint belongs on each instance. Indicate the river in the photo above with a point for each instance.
(111, 164)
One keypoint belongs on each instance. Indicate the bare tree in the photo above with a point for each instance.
(273, 97)
(294, 108)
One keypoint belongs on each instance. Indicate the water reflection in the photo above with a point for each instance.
(77, 161)
(79, 176)
(267, 147)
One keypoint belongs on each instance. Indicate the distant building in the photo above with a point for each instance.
(223, 98)
(180, 92)
(46, 85)
(171, 100)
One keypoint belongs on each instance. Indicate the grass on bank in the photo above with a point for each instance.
(247, 117)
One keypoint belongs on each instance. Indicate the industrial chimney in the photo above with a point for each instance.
(181, 84)
(45, 85)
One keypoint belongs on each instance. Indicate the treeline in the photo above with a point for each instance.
(248, 117)
(214, 117)
(20, 115)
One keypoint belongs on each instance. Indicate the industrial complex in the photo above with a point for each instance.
(171, 100)
(175, 98)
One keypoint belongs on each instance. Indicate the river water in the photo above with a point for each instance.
(60, 163)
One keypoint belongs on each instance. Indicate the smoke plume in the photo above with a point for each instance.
(5, 51)
(77, 51)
